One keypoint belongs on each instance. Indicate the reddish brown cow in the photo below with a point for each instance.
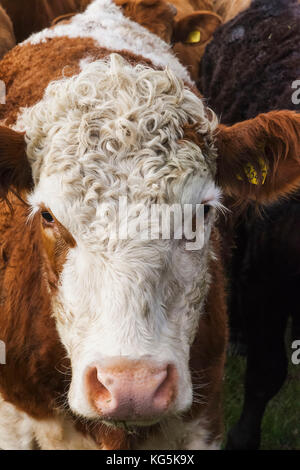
(202, 18)
(113, 341)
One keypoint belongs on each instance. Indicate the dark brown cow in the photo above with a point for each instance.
(262, 46)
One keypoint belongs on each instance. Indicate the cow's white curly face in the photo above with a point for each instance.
(117, 130)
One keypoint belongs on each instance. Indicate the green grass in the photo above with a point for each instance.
(281, 424)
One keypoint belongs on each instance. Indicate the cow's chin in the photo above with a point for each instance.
(134, 425)
(131, 423)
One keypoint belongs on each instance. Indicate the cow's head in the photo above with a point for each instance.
(127, 309)
(189, 27)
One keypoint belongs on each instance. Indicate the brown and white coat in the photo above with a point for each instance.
(109, 112)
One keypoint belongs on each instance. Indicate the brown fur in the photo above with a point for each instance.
(229, 9)
(274, 137)
(57, 242)
(155, 15)
(31, 379)
(34, 15)
(112, 439)
(191, 55)
(203, 21)
(209, 349)
(7, 37)
(190, 132)
(48, 61)
(15, 171)
(158, 17)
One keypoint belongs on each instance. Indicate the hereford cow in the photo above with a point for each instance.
(258, 53)
(117, 342)
(7, 37)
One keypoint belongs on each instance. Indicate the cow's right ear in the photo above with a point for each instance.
(15, 171)
(259, 159)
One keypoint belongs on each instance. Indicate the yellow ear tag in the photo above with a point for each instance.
(252, 175)
(193, 37)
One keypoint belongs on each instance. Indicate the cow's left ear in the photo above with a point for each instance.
(197, 28)
(15, 170)
(259, 159)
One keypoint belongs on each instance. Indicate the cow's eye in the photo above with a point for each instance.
(207, 209)
(47, 217)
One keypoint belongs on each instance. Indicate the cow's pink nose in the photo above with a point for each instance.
(126, 390)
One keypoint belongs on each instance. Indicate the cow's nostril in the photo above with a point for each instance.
(166, 392)
(97, 390)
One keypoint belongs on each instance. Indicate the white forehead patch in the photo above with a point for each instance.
(116, 130)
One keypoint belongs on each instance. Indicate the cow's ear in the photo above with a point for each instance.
(196, 28)
(259, 159)
(15, 171)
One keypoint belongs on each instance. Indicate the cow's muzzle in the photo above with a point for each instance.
(132, 391)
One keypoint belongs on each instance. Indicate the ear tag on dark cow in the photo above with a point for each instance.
(252, 175)
(194, 37)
